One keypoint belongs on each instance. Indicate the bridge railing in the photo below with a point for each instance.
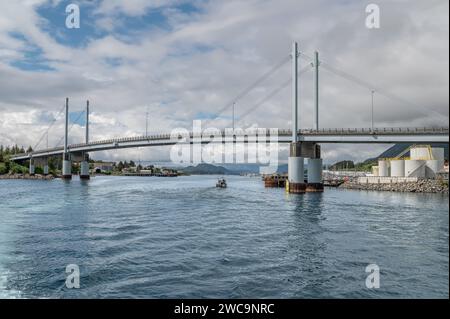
(281, 132)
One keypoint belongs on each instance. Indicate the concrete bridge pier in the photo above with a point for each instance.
(43, 162)
(296, 175)
(315, 167)
(67, 166)
(32, 169)
(84, 167)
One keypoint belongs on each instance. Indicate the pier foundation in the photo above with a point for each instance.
(84, 168)
(46, 169)
(67, 167)
(296, 175)
(32, 169)
(315, 167)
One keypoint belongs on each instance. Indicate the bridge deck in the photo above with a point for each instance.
(347, 135)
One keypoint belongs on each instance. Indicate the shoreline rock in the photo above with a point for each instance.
(27, 177)
(422, 186)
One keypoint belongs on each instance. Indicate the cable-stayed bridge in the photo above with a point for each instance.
(304, 143)
(418, 135)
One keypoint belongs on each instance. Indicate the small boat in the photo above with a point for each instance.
(221, 183)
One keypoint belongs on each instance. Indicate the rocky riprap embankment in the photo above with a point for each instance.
(422, 186)
(27, 176)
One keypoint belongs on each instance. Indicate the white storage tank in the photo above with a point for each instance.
(375, 171)
(415, 168)
(383, 168)
(438, 153)
(397, 168)
(418, 153)
(433, 167)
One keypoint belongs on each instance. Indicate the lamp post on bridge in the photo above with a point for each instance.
(234, 105)
(146, 122)
(372, 111)
(46, 169)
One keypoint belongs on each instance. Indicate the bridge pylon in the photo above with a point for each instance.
(67, 161)
(296, 161)
(300, 150)
(84, 166)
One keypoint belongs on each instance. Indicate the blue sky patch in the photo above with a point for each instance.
(55, 24)
(77, 118)
(32, 59)
(205, 116)
(128, 29)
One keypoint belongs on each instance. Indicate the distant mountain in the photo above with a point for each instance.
(399, 148)
(283, 169)
(252, 168)
(207, 169)
(228, 169)
(242, 168)
(342, 165)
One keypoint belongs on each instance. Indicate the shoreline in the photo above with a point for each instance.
(422, 186)
(27, 177)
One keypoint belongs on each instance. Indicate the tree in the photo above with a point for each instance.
(120, 166)
(3, 169)
(29, 149)
(342, 165)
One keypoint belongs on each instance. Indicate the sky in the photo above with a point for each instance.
(181, 60)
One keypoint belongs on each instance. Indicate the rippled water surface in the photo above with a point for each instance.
(182, 237)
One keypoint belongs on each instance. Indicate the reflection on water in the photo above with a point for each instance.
(169, 238)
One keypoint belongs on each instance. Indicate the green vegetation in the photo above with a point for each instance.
(123, 165)
(15, 168)
(365, 166)
(3, 169)
(8, 167)
(342, 165)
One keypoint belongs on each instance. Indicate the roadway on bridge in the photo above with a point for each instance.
(323, 136)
